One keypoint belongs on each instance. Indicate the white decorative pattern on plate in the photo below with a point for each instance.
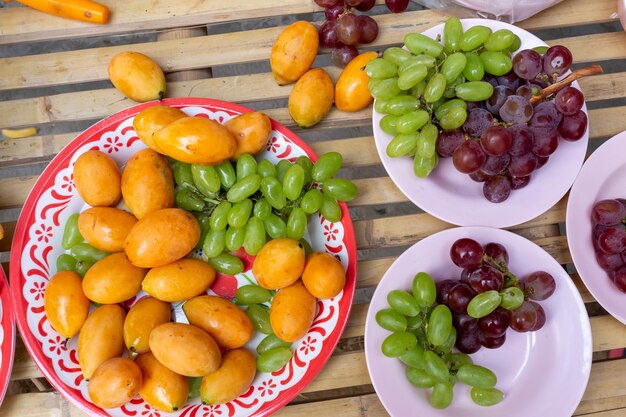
(39, 234)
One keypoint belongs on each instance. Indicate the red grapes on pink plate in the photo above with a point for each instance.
(472, 136)
(596, 232)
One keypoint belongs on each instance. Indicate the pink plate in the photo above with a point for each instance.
(543, 373)
(36, 247)
(602, 176)
(7, 335)
(455, 198)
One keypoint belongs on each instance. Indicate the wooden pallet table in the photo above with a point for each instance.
(57, 81)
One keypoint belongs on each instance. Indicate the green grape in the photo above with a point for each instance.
(187, 199)
(412, 76)
(517, 43)
(418, 90)
(474, 91)
(226, 174)
(427, 140)
(398, 343)
(384, 89)
(391, 320)
(326, 166)
(496, 63)
(239, 213)
(412, 121)
(182, 174)
(483, 303)
(296, 224)
(275, 226)
(435, 88)
(340, 189)
(389, 124)
(500, 40)
(380, 68)
(234, 238)
(453, 119)
(307, 165)
(435, 366)
(415, 323)
(419, 378)
(396, 55)
(486, 396)
(214, 243)
(226, 263)
(273, 359)
(453, 66)
(205, 179)
(417, 61)
(397, 105)
(311, 201)
(439, 325)
(419, 43)
(330, 209)
(403, 303)
(260, 318)
(194, 386)
(71, 233)
(254, 238)
(266, 169)
(252, 294)
(82, 267)
(476, 376)
(293, 181)
(413, 357)
(246, 165)
(452, 32)
(269, 342)
(244, 188)
(512, 298)
(262, 209)
(307, 247)
(422, 167)
(448, 345)
(282, 167)
(205, 224)
(541, 50)
(459, 359)
(272, 190)
(66, 262)
(402, 145)
(441, 395)
(474, 70)
(219, 217)
(474, 37)
(449, 105)
(424, 289)
(85, 252)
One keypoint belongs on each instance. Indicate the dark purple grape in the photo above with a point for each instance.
(524, 91)
(524, 318)
(541, 317)
(569, 100)
(557, 60)
(365, 5)
(599, 228)
(465, 274)
(510, 80)
(491, 80)
(479, 176)
(468, 157)
(622, 200)
(497, 189)
(498, 97)
(459, 297)
(619, 279)
(497, 252)
(491, 342)
(467, 342)
(352, 3)
(546, 140)
(612, 240)
(608, 212)
(443, 290)
(516, 110)
(495, 165)
(522, 140)
(448, 141)
(538, 285)
(495, 323)
(464, 323)
(326, 3)
(397, 6)
(343, 54)
(466, 253)
(348, 29)
(519, 182)
(333, 13)
(541, 161)
(486, 278)
(546, 115)
(573, 127)
(496, 141)
(523, 166)
(369, 29)
(609, 262)
(477, 122)
(527, 64)
(328, 34)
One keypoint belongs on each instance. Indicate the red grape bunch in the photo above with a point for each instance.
(488, 298)
(608, 219)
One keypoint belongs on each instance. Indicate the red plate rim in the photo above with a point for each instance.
(8, 342)
(62, 158)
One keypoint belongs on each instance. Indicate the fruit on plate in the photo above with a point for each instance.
(97, 179)
(311, 98)
(142, 317)
(323, 275)
(105, 228)
(161, 388)
(115, 382)
(137, 76)
(179, 281)
(252, 131)
(293, 52)
(292, 312)
(65, 303)
(608, 221)
(279, 263)
(153, 119)
(351, 90)
(113, 279)
(232, 379)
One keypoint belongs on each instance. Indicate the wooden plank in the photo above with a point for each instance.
(574, 12)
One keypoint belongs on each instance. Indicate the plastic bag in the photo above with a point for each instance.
(506, 10)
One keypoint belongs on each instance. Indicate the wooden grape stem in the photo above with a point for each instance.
(556, 87)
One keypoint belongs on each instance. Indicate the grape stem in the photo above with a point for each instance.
(511, 278)
(556, 87)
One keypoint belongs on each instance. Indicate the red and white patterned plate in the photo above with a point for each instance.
(7, 335)
(36, 247)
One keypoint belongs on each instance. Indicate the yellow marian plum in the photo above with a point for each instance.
(97, 179)
(115, 383)
(294, 51)
(144, 316)
(162, 388)
(323, 275)
(251, 130)
(231, 380)
(105, 228)
(65, 303)
(153, 119)
(137, 76)
(179, 280)
(292, 312)
(311, 97)
(279, 263)
(113, 279)
(352, 91)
